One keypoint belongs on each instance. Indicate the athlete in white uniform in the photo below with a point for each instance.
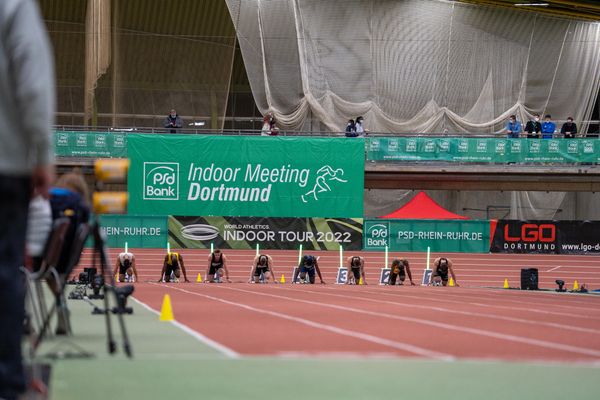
(125, 266)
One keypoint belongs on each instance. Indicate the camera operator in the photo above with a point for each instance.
(125, 265)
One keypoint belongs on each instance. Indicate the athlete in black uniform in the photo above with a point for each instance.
(356, 270)
(171, 266)
(399, 270)
(441, 267)
(308, 266)
(262, 265)
(217, 266)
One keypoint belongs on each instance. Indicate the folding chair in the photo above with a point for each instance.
(60, 305)
(52, 252)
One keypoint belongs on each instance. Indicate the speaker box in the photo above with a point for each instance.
(529, 279)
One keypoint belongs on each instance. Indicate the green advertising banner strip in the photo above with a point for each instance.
(245, 176)
(90, 144)
(487, 150)
(416, 235)
(138, 231)
(268, 233)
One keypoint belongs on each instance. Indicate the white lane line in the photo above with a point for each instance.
(465, 298)
(445, 310)
(475, 331)
(340, 331)
(465, 301)
(554, 269)
(196, 335)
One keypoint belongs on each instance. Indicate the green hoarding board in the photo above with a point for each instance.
(484, 150)
(137, 231)
(416, 235)
(245, 176)
(90, 144)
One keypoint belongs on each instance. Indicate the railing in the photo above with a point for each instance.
(403, 147)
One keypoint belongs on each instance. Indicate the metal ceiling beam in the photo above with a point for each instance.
(543, 10)
(577, 4)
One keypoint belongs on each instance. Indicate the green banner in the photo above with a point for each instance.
(416, 235)
(90, 144)
(484, 150)
(245, 176)
(137, 231)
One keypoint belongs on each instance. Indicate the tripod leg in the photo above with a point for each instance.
(120, 311)
(112, 347)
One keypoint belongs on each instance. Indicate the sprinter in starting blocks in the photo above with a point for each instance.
(400, 268)
(305, 272)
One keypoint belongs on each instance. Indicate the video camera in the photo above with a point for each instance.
(90, 277)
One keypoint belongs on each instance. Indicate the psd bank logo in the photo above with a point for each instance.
(377, 235)
(161, 181)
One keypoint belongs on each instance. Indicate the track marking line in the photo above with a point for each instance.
(445, 310)
(340, 331)
(483, 305)
(445, 294)
(475, 331)
(226, 351)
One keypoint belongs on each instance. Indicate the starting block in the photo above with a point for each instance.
(342, 276)
(426, 277)
(384, 276)
(298, 280)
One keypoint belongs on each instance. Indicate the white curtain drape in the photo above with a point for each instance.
(97, 50)
(414, 65)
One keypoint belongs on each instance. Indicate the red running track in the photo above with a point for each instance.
(426, 322)
(469, 322)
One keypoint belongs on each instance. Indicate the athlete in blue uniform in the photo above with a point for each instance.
(308, 266)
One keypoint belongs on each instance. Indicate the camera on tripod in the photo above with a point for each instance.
(90, 277)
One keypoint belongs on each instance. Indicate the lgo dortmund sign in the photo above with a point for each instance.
(245, 176)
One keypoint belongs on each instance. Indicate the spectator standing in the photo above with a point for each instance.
(27, 108)
(173, 122)
(360, 129)
(569, 129)
(513, 128)
(548, 127)
(269, 127)
(533, 127)
(351, 129)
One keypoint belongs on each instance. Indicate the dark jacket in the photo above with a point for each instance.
(533, 129)
(173, 123)
(569, 130)
(351, 130)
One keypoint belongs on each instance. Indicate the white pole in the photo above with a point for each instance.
(126, 247)
(341, 257)
(300, 254)
(386, 257)
(428, 249)
(257, 249)
(212, 248)
(168, 247)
